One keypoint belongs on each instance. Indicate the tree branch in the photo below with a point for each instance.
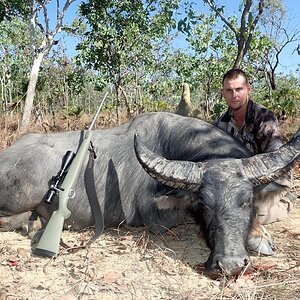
(253, 25)
(223, 18)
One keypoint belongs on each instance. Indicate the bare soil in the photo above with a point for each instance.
(131, 263)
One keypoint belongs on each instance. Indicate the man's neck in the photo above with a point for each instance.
(239, 116)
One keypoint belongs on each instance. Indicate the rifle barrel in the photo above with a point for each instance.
(97, 113)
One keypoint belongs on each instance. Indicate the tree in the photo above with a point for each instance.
(12, 8)
(14, 63)
(248, 23)
(124, 39)
(42, 48)
(274, 29)
(209, 55)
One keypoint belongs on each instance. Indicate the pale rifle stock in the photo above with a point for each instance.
(48, 245)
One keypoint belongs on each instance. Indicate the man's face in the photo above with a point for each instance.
(236, 92)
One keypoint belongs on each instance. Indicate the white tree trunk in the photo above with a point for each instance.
(45, 47)
(31, 91)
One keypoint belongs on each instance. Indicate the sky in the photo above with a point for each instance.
(289, 58)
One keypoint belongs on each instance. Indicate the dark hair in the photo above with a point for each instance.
(233, 74)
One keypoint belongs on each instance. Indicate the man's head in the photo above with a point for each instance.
(236, 89)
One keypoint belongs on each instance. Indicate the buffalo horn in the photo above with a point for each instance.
(185, 175)
(266, 167)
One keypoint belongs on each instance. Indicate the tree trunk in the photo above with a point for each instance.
(31, 91)
(238, 61)
(127, 106)
(271, 76)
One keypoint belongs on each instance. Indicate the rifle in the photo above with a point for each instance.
(62, 185)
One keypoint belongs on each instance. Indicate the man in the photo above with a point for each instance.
(257, 128)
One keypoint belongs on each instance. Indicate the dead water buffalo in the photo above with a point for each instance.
(204, 172)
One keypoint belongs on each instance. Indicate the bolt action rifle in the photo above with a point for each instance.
(62, 185)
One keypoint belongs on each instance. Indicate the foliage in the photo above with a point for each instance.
(126, 39)
(63, 85)
(13, 8)
(286, 98)
(14, 60)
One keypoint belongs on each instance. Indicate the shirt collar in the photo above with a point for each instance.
(249, 114)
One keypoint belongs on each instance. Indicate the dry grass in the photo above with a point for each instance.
(10, 124)
(289, 127)
(131, 263)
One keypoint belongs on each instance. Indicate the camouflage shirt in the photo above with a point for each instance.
(260, 132)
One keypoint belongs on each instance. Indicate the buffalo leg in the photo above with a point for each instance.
(22, 221)
(259, 240)
(14, 222)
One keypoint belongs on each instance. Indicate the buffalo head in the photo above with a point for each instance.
(220, 195)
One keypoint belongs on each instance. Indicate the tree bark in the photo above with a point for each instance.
(31, 91)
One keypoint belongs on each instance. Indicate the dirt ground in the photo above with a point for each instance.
(130, 263)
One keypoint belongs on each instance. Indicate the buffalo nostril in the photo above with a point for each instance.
(247, 269)
(233, 266)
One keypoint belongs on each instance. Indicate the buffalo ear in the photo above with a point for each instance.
(175, 199)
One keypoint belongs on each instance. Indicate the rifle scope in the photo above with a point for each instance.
(57, 180)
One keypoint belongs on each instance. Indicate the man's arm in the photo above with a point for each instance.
(269, 137)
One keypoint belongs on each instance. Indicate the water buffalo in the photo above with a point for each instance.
(204, 172)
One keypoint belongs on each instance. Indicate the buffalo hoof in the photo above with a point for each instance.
(32, 228)
(15, 222)
(26, 222)
(260, 241)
